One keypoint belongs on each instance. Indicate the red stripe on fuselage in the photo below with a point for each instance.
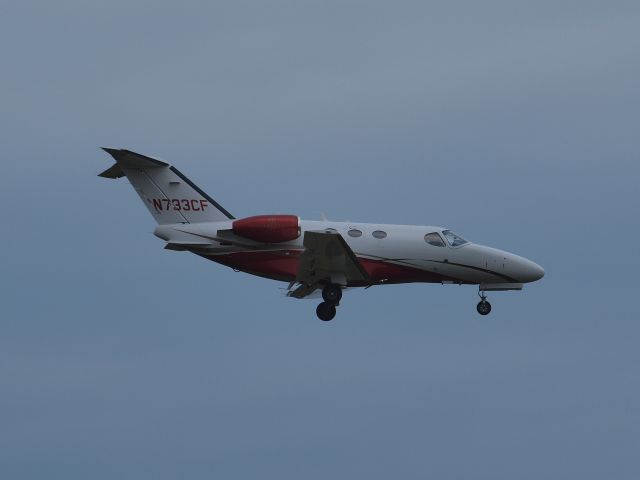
(283, 265)
(279, 265)
(382, 271)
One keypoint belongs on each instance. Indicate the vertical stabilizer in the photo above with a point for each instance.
(168, 194)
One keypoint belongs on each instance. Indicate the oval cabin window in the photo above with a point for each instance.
(379, 234)
(354, 232)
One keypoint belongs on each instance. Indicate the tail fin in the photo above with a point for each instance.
(168, 194)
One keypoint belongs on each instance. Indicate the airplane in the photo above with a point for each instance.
(314, 256)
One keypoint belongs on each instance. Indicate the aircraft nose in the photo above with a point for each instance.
(528, 271)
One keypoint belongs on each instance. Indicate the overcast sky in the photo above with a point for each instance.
(514, 123)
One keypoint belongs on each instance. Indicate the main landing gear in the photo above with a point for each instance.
(483, 307)
(331, 294)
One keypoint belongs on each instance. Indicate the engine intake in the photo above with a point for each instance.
(268, 228)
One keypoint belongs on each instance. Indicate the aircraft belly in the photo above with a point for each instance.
(283, 265)
(275, 264)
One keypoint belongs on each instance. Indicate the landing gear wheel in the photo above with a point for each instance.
(483, 307)
(332, 294)
(326, 311)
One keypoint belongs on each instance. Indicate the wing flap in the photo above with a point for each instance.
(327, 258)
(302, 291)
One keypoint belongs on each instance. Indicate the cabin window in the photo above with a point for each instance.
(354, 232)
(434, 239)
(379, 234)
(453, 239)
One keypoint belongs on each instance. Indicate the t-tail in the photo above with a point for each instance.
(168, 194)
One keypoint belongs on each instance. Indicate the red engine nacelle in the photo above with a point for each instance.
(268, 228)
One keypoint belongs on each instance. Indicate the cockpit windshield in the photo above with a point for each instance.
(453, 239)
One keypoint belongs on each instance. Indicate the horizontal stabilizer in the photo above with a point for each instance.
(112, 172)
(127, 158)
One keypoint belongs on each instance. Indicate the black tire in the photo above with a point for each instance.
(332, 294)
(326, 311)
(483, 307)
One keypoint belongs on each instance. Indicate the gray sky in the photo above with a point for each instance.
(515, 123)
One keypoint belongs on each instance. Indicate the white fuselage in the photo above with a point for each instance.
(389, 253)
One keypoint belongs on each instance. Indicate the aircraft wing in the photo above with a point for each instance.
(326, 258)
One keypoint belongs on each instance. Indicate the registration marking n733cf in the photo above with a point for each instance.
(179, 204)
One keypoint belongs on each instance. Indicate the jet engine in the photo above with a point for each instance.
(268, 228)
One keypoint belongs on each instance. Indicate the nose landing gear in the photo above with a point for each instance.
(331, 294)
(483, 307)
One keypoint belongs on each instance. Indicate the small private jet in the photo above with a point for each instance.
(314, 257)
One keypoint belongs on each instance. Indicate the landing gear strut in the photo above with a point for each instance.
(331, 294)
(483, 307)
